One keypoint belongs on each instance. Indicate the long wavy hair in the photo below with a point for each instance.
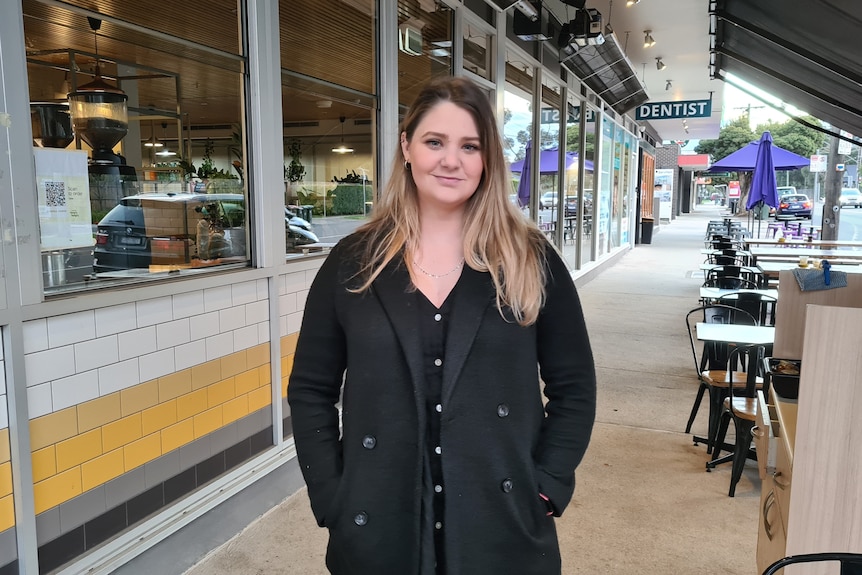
(498, 239)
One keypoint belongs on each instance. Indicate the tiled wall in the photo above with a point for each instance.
(8, 543)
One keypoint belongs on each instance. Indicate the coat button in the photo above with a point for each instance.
(369, 442)
(507, 485)
(360, 518)
(502, 410)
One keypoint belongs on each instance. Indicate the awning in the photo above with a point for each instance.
(803, 52)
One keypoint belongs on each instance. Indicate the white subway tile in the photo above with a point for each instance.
(245, 338)
(242, 293)
(282, 326)
(287, 303)
(156, 364)
(71, 328)
(76, 389)
(217, 298)
(39, 400)
(219, 345)
(35, 335)
(4, 413)
(173, 333)
(154, 311)
(231, 318)
(190, 354)
(137, 342)
(301, 298)
(115, 319)
(263, 332)
(309, 277)
(204, 326)
(257, 312)
(96, 353)
(294, 282)
(2, 376)
(262, 288)
(118, 376)
(188, 304)
(44, 366)
(294, 322)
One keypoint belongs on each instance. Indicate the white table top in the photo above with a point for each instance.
(734, 333)
(748, 269)
(716, 293)
(772, 268)
(796, 251)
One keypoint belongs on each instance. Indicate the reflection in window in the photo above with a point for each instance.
(424, 45)
(589, 188)
(478, 51)
(150, 116)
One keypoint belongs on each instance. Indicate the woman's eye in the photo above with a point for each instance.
(434, 143)
(471, 147)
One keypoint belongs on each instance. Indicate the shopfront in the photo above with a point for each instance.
(166, 206)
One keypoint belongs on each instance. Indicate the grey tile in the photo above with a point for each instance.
(193, 453)
(245, 425)
(264, 418)
(125, 487)
(162, 468)
(81, 509)
(224, 437)
(8, 547)
(48, 525)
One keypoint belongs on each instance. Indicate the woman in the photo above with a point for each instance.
(439, 316)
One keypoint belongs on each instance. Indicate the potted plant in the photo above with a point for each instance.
(294, 171)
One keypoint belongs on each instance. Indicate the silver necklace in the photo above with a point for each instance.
(438, 276)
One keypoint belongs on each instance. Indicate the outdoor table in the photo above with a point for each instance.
(772, 269)
(735, 333)
(812, 253)
(711, 293)
(798, 243)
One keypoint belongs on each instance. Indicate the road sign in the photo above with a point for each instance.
(818, 163)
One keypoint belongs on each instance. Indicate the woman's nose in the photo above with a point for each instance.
(450, 156)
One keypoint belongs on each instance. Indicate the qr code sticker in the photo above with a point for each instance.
(55, 194)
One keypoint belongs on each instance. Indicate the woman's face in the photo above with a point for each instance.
(446, 161)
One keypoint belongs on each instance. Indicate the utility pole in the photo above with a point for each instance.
(747, 109)
(832, 191)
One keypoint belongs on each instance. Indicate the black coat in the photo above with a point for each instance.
(500, 448)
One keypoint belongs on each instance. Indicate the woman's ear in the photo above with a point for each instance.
(405, 146)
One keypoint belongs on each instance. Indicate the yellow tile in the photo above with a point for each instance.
(221, 392)
(98, 412)
(265, 374)
(175, 385)
(54, 427)
(5, 454)
(208, 421)
(191, 404)
(287, 365)
(122, 432)
(79, 449)
(159, 417)
(284, 382)
(7, 513)
(57, 489)
(5, 478)
(257, 355)
(177, 435)
(233, 364)
(259, 398)
(206, 374)
(142, 451)
(102, 469)
(44, 463)
(246, 381)
(139, 397)
(288, 343)
(234, 409)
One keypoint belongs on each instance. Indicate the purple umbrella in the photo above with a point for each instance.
(744, 159)
(764, 189)
(549, 160)
(524, 182)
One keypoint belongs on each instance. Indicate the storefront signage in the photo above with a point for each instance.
(671, 110)
(552, 115)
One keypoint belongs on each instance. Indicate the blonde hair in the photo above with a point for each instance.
(498, 239)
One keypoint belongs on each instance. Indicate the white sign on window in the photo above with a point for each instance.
(63, 190)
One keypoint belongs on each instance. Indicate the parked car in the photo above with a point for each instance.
(548, 200)
(850, 197)
(793, 206)
(173, 229)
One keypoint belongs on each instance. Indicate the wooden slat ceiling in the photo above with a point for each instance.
(332, 40)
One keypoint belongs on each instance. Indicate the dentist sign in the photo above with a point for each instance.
(671, 110)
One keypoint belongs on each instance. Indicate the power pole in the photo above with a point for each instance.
(747, 109)
(832, 191)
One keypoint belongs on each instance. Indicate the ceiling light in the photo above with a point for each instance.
(152, 142)
(165, 152)
(669, 85)
(659, 64)
(649, 41)
(342, 149)
(632, 2)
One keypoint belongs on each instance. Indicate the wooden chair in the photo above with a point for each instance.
(740, 406)
(711, 364)
(850, 563)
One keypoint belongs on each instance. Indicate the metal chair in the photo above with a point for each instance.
(761, 306)
(850, 563)
(742, 409)
(711, 364)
